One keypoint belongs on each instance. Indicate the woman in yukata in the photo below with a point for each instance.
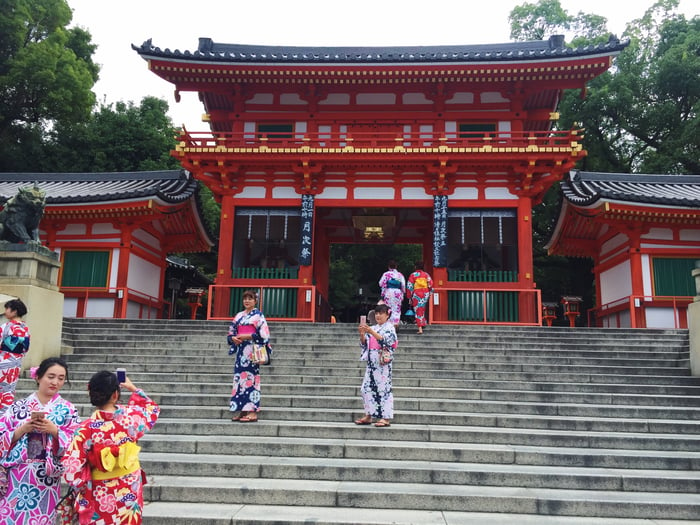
(419, 288)
(378, 344)
(102, 463)
(248, 326)
(34, 433)
(14, 343)
(393, 286)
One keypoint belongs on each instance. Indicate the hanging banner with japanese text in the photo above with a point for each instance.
(440, 231)
(307, 224)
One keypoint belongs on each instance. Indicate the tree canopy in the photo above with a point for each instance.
(46, 75)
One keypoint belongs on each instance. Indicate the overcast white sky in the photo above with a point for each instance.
(178, 24)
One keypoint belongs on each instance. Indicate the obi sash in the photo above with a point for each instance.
(246, 329)
(373, 344)
(117, 461)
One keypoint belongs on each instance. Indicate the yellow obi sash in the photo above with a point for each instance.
(125, 462)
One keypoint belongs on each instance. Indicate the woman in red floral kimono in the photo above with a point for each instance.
(102, 463)
(418, 290)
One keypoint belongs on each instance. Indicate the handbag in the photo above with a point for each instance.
(66, 513)
(3, 482)
(385, 357)
(260, 355)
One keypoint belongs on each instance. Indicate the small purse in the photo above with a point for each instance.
(385, 357)
(3, 482)
(66, 513)
(260, 354)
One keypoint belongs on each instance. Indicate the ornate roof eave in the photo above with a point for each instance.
(169, 187)
(211, 52)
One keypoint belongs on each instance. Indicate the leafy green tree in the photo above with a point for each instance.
(46, 76)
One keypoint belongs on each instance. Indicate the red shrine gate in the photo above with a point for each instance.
(448, 147)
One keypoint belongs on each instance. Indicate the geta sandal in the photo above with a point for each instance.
(382, 423)
(367, 420)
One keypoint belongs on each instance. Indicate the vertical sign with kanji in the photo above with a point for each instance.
(307, 223)
(440, 231)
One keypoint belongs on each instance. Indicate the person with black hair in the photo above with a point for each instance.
(102, 463)
(14, 343)
(378, 344)
(418, 290)
(393, 287)
(34, 434)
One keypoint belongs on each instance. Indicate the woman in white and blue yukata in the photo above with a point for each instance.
(378, 343)
(248, 326)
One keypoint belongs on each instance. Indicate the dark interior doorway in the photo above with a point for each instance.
(355, 270)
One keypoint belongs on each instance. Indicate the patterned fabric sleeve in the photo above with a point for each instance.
(262, 330)
(75, 462)
(389, 339)
(144, 413)
(15, 337)
(7, 428)
(383, 280)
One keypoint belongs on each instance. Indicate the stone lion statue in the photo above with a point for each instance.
(20, 218)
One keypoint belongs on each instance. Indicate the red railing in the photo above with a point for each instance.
(206, 142)
(278, 302)
(637, 311)
(113, 302)
(488, 306)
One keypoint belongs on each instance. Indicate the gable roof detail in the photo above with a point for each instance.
(583, 189)
(210, 51)
(170, 186)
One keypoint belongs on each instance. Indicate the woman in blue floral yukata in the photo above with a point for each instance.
(248, 326)
(378, 344)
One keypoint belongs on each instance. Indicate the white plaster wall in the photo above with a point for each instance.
(648, 289)
(103, 228)
(261, 98)
(147, 239)
(70, 307)
(144, 276)
(492, 97)
(114, 268)
(659, 233)
(374, 193)
(376, 98)
(465, 193)
(342, 99)
(612, 321)
(100, 308)
(73, 229)
(415, 98)
(300, 127)
(499, 193)
(252, 192)
(660, 318)
(291, 99)
(333, 193)
(284, 192)
(616, 283)
(612, 243)
(690, 235)
(504, 126)
(461, 98)
(415, 194)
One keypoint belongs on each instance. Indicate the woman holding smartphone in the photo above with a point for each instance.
(102, 463)
(34, 434)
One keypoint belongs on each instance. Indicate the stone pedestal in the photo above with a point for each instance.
(30, 272)
(694, 324)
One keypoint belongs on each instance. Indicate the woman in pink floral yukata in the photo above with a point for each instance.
(102, 463)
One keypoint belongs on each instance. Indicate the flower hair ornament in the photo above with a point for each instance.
(32, 372)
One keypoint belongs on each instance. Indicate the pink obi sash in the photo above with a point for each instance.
(373, 344)
(246, 329)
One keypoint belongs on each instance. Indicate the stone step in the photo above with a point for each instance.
(173, 513)
(411, 398)
(443, 434)
(409, 471)
(474, 444)
(308, 358)
(473, 498)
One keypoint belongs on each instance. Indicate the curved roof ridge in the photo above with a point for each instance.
(208, 50)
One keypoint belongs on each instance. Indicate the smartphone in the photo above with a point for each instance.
(121, 375)
(363, 319)
(38, 415)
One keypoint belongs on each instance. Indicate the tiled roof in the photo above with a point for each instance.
(583, 188)
(172, 186)
(210, 51)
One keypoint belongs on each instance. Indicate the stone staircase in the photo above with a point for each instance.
(494, 425)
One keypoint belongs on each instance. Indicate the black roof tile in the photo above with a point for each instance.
(210, 51)
(584, 188)
(171, 186)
